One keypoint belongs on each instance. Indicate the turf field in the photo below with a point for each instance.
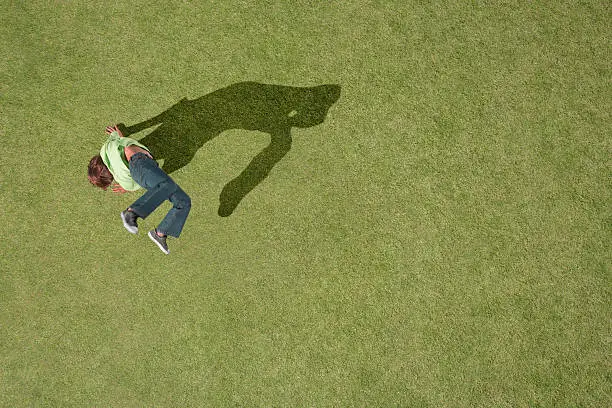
(436, 236)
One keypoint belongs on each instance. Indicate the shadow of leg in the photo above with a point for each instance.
(257, 170)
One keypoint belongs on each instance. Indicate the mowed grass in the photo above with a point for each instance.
(442, 239)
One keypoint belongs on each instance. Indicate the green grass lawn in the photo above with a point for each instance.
(441, 239)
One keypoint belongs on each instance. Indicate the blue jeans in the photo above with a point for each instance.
(160, 187)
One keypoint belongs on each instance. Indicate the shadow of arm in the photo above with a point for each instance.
(162, 117)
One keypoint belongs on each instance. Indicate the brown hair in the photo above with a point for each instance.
(98, 174)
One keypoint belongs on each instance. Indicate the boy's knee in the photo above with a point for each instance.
(183, 199)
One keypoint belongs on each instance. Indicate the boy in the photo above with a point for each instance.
(131, 166)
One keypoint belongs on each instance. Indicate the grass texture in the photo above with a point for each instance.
(442, 239)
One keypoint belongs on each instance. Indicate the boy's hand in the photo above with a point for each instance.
(118, 189)
(114, 128)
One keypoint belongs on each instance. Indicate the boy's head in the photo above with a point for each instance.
(98, 174)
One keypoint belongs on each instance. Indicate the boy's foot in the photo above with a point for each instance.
(129, 221)
(160, 241)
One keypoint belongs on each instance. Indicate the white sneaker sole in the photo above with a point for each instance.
(164, 250)
(132, 230)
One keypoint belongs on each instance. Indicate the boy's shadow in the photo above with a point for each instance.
(187, 126)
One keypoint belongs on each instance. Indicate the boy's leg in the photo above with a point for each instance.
(146, 172)
(153, 198)
(160, 187)
(173, 222)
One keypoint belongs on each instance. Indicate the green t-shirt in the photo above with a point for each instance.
(113, 157)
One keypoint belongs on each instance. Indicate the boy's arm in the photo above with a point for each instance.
(114, 128)
(116, 188)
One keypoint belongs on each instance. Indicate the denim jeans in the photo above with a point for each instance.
(160, 187)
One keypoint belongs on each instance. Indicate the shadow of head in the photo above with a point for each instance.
(314, 105)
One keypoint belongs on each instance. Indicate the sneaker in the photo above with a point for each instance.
(160, 241)
(129, 221)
